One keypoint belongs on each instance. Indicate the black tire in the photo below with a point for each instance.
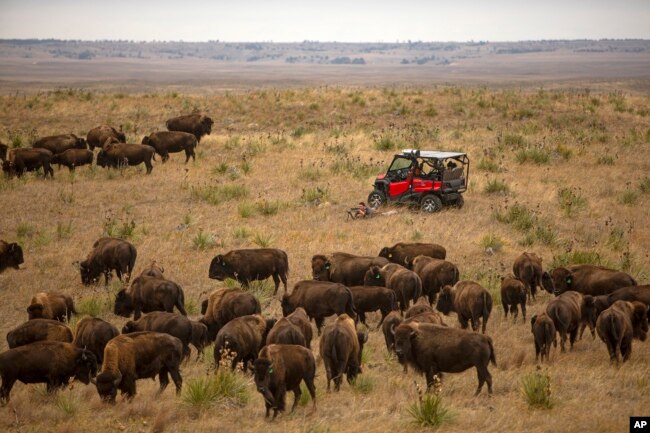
(431, 203)
(460, 202)
(376, 199)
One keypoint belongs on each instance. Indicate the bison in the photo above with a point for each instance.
(433, 349)
(166, 323)
(528, 268)
(319, 299)
(199, 337)
(568, 311)
(633, 293)
(153, 270)
(94, 333)
(435, 274)
(49, 362)
(148, 294)
(99, 135)
(421, 306)
(73, 158)
(241, 339)
(38, 330)
(281, 367)
(513, 294)
(251, 264)
(60, 143)
(166, 142)
(301, 320)
(543, 330)
(140, 355)
(196, 124)
(372, 298)
(343, 268)
(51, 305)
(117, 155)
(406, 284)
(21, 160)
(469, 300)
(619, 324)
(4, 149)
(285, 332)
(11, 255)
(224, 305)
(108, 254)
(341, 347)
(588, 279)
(403, 253)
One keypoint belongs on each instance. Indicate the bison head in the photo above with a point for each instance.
(287, 306)
(562, 280)
(123, 304)
(220, 269)
(263, 370)
(86, 366)
(206, 122)
(204, 306)
(107, 383)
(640, 320)
(129, 327)
(80, 143)
(532, 323)
(374, 277)
(404, 336)
(35, 311)
(320, 268)
(102, 159)
(146, 139)
(89, 272)
(547, 282)
(121, 137)
(8, 168)
(386, 252)
(14, 256)
(445, 302)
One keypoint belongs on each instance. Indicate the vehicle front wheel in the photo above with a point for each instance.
(376, 198)
(431, 203)
(460, 202)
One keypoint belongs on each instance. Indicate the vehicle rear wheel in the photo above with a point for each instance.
(460, 202)
(376, 198)
(431, 203)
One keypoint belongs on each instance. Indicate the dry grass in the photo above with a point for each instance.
(293, 195)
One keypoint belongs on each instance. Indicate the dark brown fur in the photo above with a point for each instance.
(94, 333)
(21, 160)
(435, 274)
(117, 155)
(60, 143)
(589, 280)
(167, 323)
(73, 158)
(543, 330)
(469, 300)
(51, 305)
(148, 294)
(38, 330)
(225, 305)
(406, 284)
(619, 324)
(568, 311)
(242, 337)
(528, 268)
(100, 134)
(368, 299)
(285, 332)
(404, 253)
(196, 124)
(248, 265)
(344, 268)
(341, 347)
(166, 142)
(11, 255)
(513, 294)
(108, 254)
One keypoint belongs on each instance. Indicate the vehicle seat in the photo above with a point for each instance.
(453, 178)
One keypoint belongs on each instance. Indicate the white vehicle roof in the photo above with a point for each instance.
(433, 153)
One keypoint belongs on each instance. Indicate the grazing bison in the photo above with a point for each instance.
(21, 160)
(241, 339)
(435, 274)
(224, 305)
(38, 330)
(341, 347)
(301, 320)
(319, 299)
(166, 142)
(513, 294)
(251, 264)
(11, 255)
(633, 293)
(390, 323)
(421, 306)
(49, 362)
(51, 305)
(528, 268)
(94, 334)
(73, 158)
(117, 155)
(588, 279)
(343, 268)
(140, 355)
(108, 254)
(196, 124)
(199, 337)
(148, 294)
(166, 323)
(568, 311)
(619, 324)
(433, 349)
(469, 300)
(543, 330)
(285, 332)
(99, 135)
(60, 143)
(372, 298)
(403, 253)
(281, 367)
(406, 284)
(153, 270)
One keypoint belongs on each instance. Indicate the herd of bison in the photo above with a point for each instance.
(404, 283)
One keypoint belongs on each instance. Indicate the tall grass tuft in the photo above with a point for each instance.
(571, 201)
(67, 403)
(363, 384)
(429, 411)
(536, 389)
(203, 241)
(644, 186)
(268, 208)
(263, 241)
(576, 257)
(533, 154)
(628, 197)
(225, 387)
(492, 242)
(495, 186)
(218, 194)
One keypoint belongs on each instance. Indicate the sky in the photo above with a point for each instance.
(325, 20)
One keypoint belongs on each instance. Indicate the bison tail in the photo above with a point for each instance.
(613, 326)
(349, 306)
(493, 358)
(134, 255)
(180, 303)
(418, 288)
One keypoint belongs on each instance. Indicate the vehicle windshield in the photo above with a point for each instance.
(399, 164)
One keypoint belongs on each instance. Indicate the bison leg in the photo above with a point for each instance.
(309, 381)
(276, 280)
(562, 332)
(362, 317)
(505, 308)
(572, 337)
(280, 396)
(5, 390)
(626, 348)
(176, 377)
(384, 313)
(319, 323)
(463, 321)
(163, 378)
(523, 309)
(514, 312)
(483, 376)
(537, 351)
(297, 392)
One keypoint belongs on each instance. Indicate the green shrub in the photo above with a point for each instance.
(487, 164)
(431, 111)
(220, 168)
(533, 154)
(571, 201)
(246, 210)
(25, 230)
(616, 239)
(605, 160)
(241, 233)
(492, 241)
(314, 196)
(263, 241)
(203, 241)
(310, 174)
(363, 384)
(63, 230)
(536, 389)
(429, 411)
(576, 257)
(513, 140)
(496, 186)
(385, 143)
(95, 306)
(225, 387)
(644, 186)
(628, 197)
(518, 215)
(546, 235)
(67, 403)
(268, 208)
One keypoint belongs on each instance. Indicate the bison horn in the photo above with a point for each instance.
(406, 260)
(93, 380)
(392, 329)
(118, 379)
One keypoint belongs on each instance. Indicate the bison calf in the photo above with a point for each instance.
(543, 331)
(11, 255)
(619, 324)
(73, 158)
(469, 300)
(513, 294)
(372, 298)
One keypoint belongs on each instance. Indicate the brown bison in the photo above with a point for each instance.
(588, 279)
(108, 254)
(341, 347)
(251, 264)
(421, 306)
(166, 142)
(301, 320)
(281, 367)
(49, 362)
(196, 124)
(38, 330)
(166, 323)
(343, 268)
(224, 305)
(4, 150)
(433, 349)
(633, 293)
(513, 294)
(619, 324)
(99, 135)
(94, 333)
(51, 305)
(319, 299)
(73, 158)
(21, 160)
(403, 253)
(469, 300)
(199, 337)
(528, 268)
(153, 270)
(60, 143)
(148, 294)
(543, 330)
(285, 332)
(435, 274)
(368, 299)
(118, 155)
(140, 355)
(11, 255)
(406, 284)
(568, 311)
(391, 322)
(241, 339)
